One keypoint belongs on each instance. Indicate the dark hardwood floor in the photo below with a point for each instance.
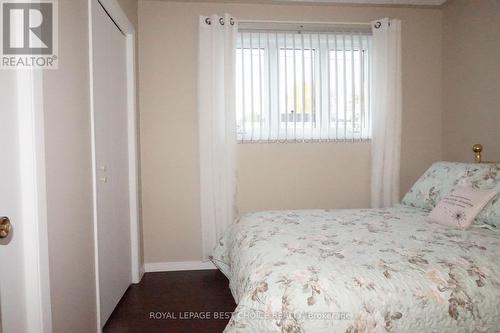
(174, 302)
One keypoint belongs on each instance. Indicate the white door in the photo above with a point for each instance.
(12, 293)
(111, 158)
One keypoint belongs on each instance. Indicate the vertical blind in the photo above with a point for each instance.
(302, 86)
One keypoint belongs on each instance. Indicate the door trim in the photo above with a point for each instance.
(121, 20)
(31, 132)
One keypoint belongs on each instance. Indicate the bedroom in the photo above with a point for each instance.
(448, 81)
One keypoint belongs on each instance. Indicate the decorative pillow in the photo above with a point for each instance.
(461, 206)
(440, 179)
(491, 212)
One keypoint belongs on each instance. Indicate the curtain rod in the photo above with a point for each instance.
(326, 27)
(361, 24)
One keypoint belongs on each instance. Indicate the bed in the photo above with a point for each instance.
(368, 270)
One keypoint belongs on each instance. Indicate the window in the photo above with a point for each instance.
(302, 86)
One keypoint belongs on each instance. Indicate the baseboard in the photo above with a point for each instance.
(142, 270)
(178, 266)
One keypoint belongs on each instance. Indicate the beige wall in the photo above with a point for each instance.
(471, 78)
(270, 175)
(69, 174)
(130, 9)
(312, 175)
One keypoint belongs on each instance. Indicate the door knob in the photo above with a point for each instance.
(5, 227)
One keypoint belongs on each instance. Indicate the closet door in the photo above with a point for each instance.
(111, 152)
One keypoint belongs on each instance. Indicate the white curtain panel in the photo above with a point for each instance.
(217, 126)
(386, 111)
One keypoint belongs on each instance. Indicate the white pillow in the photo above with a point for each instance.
(461, 206)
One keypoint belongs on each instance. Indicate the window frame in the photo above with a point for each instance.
(271, 47)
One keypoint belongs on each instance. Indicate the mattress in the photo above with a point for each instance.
(368, 270)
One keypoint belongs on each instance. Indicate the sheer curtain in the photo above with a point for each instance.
(386, 111)
(217, 126)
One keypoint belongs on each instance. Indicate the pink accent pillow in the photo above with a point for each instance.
(461, 206)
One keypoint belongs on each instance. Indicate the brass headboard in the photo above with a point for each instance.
(478, 149)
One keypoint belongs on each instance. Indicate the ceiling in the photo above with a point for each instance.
(352, 2)
(375, 2)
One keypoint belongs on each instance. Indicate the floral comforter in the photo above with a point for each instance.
(372, 270)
